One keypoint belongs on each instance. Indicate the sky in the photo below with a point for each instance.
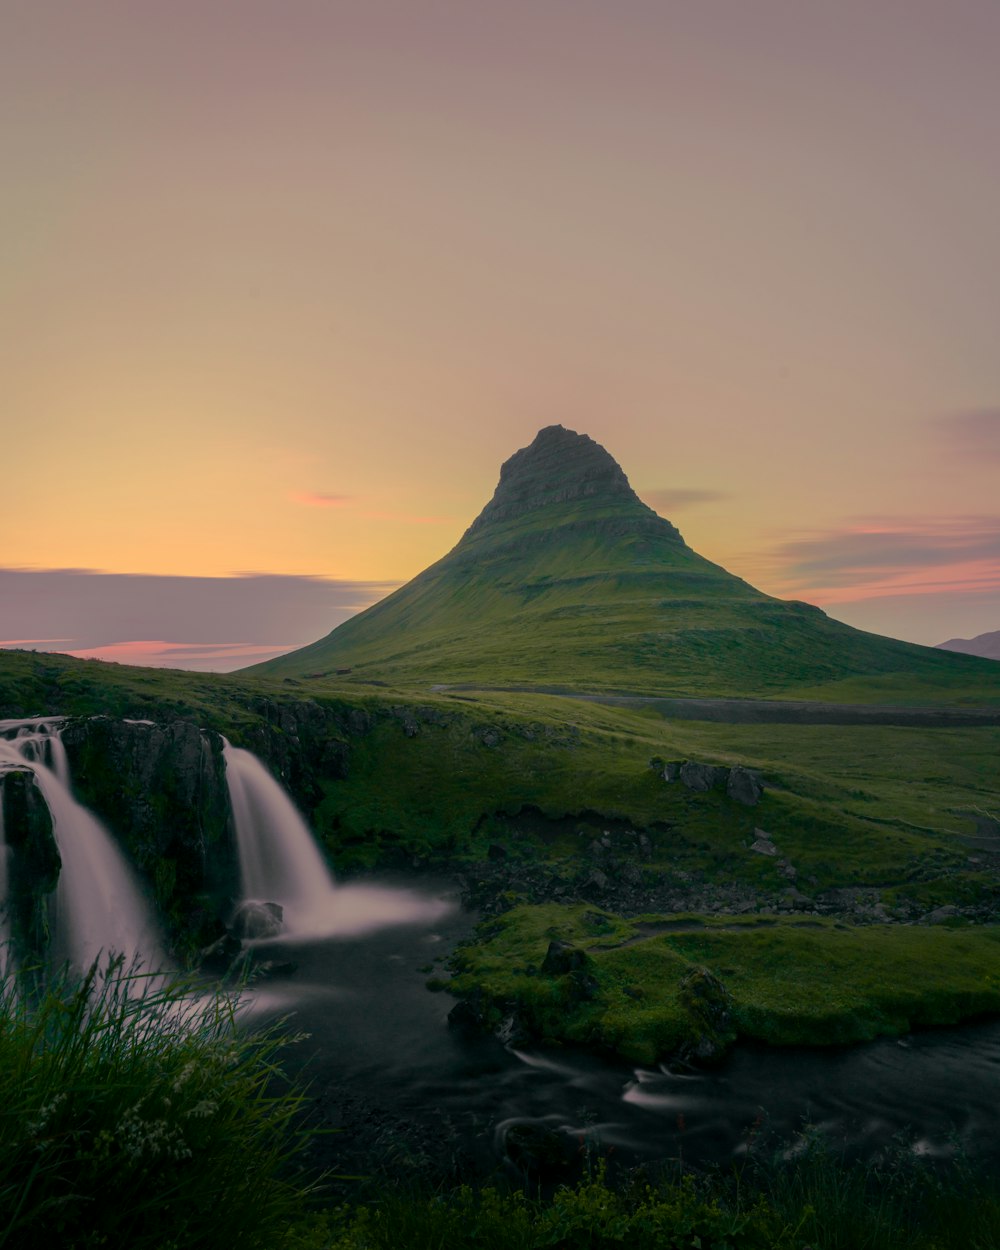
(283, 282)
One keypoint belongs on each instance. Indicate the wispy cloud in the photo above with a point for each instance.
(975, 433)
(194, 622)
(675, 499)
(313, 499)
(215, 657)
(876, 557)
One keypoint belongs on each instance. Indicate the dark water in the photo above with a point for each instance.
(379, 1039)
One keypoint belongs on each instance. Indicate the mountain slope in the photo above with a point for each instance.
(987, 645)
(567, 579)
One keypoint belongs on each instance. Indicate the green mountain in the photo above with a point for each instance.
(567, 580)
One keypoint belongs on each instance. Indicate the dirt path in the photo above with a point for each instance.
(767, 711)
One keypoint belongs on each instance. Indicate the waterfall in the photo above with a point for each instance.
(279, 860)
(99, 906)
(281, 863)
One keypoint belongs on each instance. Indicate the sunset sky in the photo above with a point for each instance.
(282, 284)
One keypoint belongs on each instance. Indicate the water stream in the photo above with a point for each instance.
(379, 1036)
(356, 960)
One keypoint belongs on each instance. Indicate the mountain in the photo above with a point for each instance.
(987, 645)
(566, 579)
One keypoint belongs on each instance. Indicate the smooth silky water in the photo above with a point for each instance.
(99, 905)
(379, 1035)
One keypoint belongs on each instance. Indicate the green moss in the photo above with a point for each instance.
(787, 981)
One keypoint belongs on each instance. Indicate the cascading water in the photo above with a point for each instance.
(99, 906)
(281, 863)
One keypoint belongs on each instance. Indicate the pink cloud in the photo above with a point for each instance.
(30, 642)
(158, 653)
(883, 557)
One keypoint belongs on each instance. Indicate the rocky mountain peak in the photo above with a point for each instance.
(558, 466)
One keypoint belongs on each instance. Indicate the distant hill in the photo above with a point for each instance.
(987, 645)
(568, 580)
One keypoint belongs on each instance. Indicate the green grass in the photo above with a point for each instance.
(814, 1201)
(601, 595)
(786, 981)
(133, 1115)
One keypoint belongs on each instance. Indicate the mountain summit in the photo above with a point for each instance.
(566, 579)
(559, 466)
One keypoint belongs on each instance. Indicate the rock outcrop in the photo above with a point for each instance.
(33, 862)
(162, 790)
(560, 466)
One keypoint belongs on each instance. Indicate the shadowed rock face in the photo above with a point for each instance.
(34, 863)
(162, 790)
(558, 467)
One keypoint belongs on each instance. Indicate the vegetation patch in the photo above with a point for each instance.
(657, 986)
(141, 1116)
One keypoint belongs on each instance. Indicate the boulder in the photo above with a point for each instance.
(703, 776)
(941, 915)
(562, 957)
(253, 920)
(710, 1006)
(744, 786)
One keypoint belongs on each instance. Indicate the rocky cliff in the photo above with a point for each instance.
(33, 861)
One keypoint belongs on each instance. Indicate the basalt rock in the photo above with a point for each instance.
(34, 861)
(162, 788)
(744, 786)
(256, 920)
(305, 742)
(703, 776)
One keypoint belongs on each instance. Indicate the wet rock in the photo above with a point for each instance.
(703, 777)
(672, 771)
(34, 862)
(744, 786)
(764, 846)
(220, 956)
(511, 1032)
(468, 1015)
(253, 920)
(563, 957)
(162, 789)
